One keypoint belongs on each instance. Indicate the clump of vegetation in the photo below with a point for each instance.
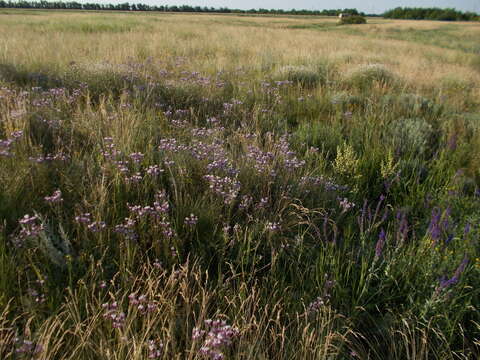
(364, 76)
(307, 76)
(344, 99)
(352, 20)
(303, 75)
(410, 135)
(324, 136)
(453, 84)
(410, 105)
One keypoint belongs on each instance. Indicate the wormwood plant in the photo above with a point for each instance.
(411, 135)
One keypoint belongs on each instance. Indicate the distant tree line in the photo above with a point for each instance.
(183, 8)
(397, 13)
(430, 14)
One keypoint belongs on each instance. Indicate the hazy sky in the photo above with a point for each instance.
(369, 6)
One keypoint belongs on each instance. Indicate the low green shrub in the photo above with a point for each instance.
(353, 20)
(302, 75)
(307, 75)
(364, 76)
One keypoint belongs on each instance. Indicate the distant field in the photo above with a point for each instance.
(313, 187)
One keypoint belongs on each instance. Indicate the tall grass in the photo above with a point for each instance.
(303, 202)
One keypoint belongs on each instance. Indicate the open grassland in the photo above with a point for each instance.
(181, 186)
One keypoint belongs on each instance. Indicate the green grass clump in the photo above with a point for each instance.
(364, 77)
(307, 76)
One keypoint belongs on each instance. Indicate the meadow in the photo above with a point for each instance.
(179, 186)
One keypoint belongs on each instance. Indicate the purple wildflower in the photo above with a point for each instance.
(315, 305)
(154, 170)
(5, 145)
(322, 300)
(113, 313)
(445, 283)
(96, 226)
(434, 228)
(246, 201)
(127, 229)
(226, 187)
(31, 228)
(136, 157)
(191, 220)
(273, 226)
(55, 198)
(142, 304)
(155, 349)
(263, 203)
(60, 156)
(380, 244)
(345, 204)
(216, 338)
(27, 347)
(161, 203)
(85, 218)
(263, 160)
(134, 179)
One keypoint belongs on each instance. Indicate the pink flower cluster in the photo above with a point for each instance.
(36, 292)
(113, 313)
(291, 162)
(141, 303)
(27, 347)
(191, 220)
(114, 156)
(155, 349)
(273, 226)
(5, 145)
(316, 305)
(345, 204)
(263, 160)
(31, 227)
(93, 226)
(216, 338)
(228, 188)
(55, 198)
(158, 213)
(127, 229)
(110, 152)
(60, 156)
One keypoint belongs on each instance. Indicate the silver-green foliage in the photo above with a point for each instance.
(410, 135)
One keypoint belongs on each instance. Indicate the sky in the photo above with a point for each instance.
(368, 6)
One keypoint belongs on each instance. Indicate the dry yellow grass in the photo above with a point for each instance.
(217, 42)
